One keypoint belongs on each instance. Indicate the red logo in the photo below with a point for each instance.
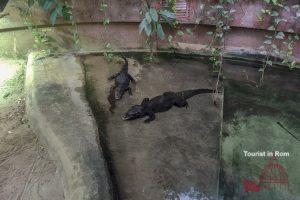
(250, 186)
(273, 175)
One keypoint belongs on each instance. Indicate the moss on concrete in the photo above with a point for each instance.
(250, 120)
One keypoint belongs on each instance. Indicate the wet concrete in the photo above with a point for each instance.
(174, 157)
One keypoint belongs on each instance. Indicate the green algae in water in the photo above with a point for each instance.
(250, 121)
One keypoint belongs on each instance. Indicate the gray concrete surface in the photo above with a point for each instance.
(177, 155)
(58, 110)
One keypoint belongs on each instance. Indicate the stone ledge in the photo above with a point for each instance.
(59, 112)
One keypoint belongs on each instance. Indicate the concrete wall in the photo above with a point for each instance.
(246, 35)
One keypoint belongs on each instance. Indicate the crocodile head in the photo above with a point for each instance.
(134, 112)
(118, 93)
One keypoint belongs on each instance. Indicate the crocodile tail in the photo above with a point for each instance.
(190, 93)
(111, 99)
(125, 66)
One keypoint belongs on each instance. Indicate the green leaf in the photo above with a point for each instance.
(66, 12)
(167, 15)
(153, 14)
(108, 46)
(148, 29)
(210, 33)
(58, 9)
(189, 31)
(142, 25)
(47, 4)
(268, 36)
(271, 28)
(296, 6)
(170, 38)
(274, 13)
(103, 7)
(274, 46)
(160, 31)
(280, 35)
(277, 20)
(269, 62)
(218, 7)
(226, 28)
(41, 3)
(148, 17)
(198, 20)
(106, 21)
(268, 42)
(180, 33)
(260, 18)
(30, 3)
(53, 16)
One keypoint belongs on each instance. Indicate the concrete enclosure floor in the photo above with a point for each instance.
(177, 155)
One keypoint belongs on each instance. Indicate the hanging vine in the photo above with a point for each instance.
(56, 8)
(151, 23)
(277, 44)
(221, 16)
(103, 7)
(272, 10)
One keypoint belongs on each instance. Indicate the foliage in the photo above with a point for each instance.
(108, 54)
(55, 8)
(270, 45)
(43, 42)
(75, 34)
(220, 15)
(151, 23)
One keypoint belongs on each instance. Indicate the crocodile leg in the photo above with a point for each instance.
(181, 103)
(113, 76)
(151, 117)
(131, 79)
(129, 91)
